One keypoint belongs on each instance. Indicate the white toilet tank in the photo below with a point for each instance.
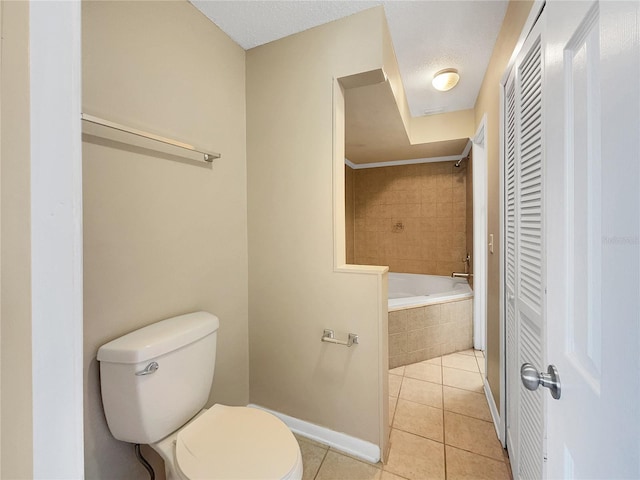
(144, 402)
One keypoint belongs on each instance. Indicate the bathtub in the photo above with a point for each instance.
(408, 290)
(429, 316)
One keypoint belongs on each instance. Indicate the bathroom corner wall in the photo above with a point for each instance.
(412, 218)
(488, 103)
(298, 284)
(162, 236)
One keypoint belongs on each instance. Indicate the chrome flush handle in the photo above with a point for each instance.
(149, 369)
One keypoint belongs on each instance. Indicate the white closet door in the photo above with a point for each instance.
(510, 270)
(529, 272)
(524, 274)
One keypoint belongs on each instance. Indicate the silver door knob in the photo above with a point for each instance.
(531, 378)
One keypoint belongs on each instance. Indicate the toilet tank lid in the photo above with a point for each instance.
(159, 338)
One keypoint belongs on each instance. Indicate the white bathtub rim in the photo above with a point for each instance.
(427, 300)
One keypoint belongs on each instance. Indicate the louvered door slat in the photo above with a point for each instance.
(528, 254)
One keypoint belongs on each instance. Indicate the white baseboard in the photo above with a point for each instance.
(495, 414)
(340, 441)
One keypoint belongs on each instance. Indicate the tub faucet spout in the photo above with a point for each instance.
(461, 275)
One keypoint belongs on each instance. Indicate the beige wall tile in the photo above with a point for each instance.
(444, 209)
(397, 322)
(422, 317)
(397, 360)
(397, 344)
(421, 199)
(416, 340)
(422, 355)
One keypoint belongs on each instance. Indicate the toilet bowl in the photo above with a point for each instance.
(155, 382)
(226, 443)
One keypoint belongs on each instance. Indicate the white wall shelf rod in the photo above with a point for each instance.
(207, 156)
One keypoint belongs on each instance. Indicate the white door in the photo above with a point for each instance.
(592, 134)
(524, 253)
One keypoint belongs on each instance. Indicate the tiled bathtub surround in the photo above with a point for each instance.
(417, 334)
(409, 217)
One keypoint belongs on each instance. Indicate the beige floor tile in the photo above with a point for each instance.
(463, 465)
(479, 353)
(338, 467)
(471, 434)
(420, 391)
(480, 361)
(435, 361)
(414, 457)
(424, 371)
(397, 371)
(470, 352)
(454, 377)
(466, 403)
(463, 362)
(390, 476)
(419, 419)
(393, 401)
(312, 457)
(394, 385)
(301, 439)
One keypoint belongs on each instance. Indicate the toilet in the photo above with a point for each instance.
(155, 383)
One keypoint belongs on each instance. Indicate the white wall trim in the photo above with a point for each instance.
(534, 13)
(495, 415)
(414, 161)
(56, 239)
(356, 447)
(480, 244)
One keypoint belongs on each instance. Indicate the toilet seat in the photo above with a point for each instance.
(228, 443)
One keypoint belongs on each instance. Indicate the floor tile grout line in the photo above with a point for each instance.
(474, 453)
(419, 435)
(321, 463)
(469, 416)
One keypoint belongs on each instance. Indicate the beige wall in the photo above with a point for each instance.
(489, 102)
(442, 126)
(162, 236)
(16, 416)
(297, 285)
(411, 218)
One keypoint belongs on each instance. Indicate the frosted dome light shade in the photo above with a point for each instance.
(445, 79)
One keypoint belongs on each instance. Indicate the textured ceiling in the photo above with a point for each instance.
(427, 36)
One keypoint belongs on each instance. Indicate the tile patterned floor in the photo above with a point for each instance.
(440, 428)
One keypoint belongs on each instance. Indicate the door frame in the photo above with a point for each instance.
(534, 13)
(56, 239)
(479, 180)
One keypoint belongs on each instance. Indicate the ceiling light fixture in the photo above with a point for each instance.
(445, 79)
